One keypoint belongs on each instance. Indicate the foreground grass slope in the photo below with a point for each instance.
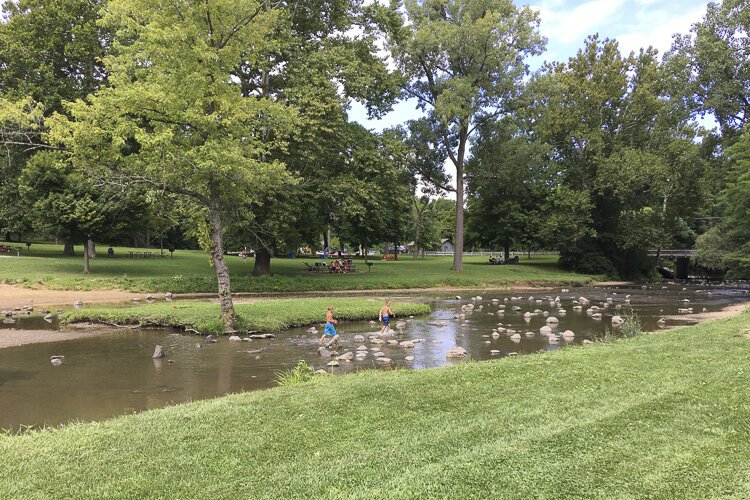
(658, 416)
(265, 316)
(189, 271)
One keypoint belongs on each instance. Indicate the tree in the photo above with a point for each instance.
(713, 67)
(50, 52)
(63, 202)
(509, 183)
(374, 191)
(736, 199)
(624, 144)
(464, 62)
(175, 117)
(325, 54)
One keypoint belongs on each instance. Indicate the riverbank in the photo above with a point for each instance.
(260, 316)
(13, 338)
(662, 416)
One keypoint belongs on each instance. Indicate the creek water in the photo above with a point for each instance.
(113, 373)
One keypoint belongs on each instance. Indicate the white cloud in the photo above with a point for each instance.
(659, 30)
(562, 24)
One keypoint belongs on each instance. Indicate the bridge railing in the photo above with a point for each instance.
(673, 253)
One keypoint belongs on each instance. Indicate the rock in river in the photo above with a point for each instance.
(347, 356)
(456, 352)
(158, 352)
(333, 363)
(407, 344)
(359, 338)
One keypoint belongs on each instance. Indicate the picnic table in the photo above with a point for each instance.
(325, 267)
(145, 255)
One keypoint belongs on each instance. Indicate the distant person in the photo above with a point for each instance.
(330, 330)
(111, 252)
(385, 315)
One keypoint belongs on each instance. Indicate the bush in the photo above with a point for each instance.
(297, 375)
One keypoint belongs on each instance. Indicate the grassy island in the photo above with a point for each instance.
(263, 316)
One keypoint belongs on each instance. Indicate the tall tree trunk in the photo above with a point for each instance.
(395, 251)
(68, 248)
(506, 250)
(262, 262)
(326, 239)
(85, 258)
(458, 255)
(228, 314)
(91, 248)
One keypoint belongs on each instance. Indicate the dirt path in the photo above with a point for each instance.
(15, 296)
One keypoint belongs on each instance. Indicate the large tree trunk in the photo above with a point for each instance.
(395, 251)
(262, 262)
(68, 248)
(458, 256)
(228, 314)
(85, 258)
(92, 249)
(506, 250)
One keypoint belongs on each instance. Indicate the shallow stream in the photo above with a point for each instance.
(113, 373)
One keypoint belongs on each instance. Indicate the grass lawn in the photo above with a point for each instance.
(658, 416)
(265, 316)
(189, 271)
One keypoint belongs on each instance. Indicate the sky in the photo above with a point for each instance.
(567, 23)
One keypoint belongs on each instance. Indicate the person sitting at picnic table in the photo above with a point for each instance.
(335, 267)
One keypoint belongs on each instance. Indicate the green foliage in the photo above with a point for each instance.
(656, 416)
(508, 183)
(265, 316)
(631, 324)
(464, 61)
(711, 65)
(622, 141)
(299, 374)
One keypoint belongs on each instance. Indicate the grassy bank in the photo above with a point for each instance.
(265, 316)
(189, 271)
(657, 416)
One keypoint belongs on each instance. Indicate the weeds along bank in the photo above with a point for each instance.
(662, 415)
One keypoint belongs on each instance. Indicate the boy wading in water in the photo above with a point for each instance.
(385, 315)
(330, 330)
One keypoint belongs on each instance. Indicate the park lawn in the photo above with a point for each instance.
(264, 316)
(657, 416)
(190, 271)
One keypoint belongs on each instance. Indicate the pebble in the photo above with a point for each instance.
(409, 358)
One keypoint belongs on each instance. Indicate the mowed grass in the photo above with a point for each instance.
(190, 271)
(264, 316)
(658, 416)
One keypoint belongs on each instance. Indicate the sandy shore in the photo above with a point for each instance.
(16, 296)
(727, 312)
(14, 338)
